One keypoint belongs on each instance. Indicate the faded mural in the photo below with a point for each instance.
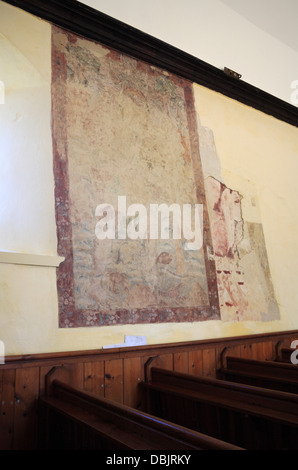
(124, 128)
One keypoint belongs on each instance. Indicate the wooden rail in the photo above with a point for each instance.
(250, 417)
(72, 419)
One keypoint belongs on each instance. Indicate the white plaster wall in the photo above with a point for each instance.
(26, 189)
(215, 33)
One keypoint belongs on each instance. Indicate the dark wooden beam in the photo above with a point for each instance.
(94, 25)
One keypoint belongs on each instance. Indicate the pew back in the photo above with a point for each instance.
(287, 355)
(268, 374)
(71, 418)
(251, 417)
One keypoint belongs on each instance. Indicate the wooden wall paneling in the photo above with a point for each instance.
(25, 410)
(258, 350)
(267, 351)
(114, 380)
(251, 350)
(94, 377)
(72, 373)
(254, 350)
(164, 361)
(196, 362)
(181, 362)
(77, 374)
(246, 351)
(234, 350)
(133, 373)
(209, 362)
(7, 386)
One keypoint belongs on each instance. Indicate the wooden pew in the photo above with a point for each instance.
(287, 352)
(285, 355)
(246, 416)
(267, 374)
(72, 419)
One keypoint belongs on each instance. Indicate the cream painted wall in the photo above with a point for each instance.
(28, 296)
(217, 34)
(26, 190)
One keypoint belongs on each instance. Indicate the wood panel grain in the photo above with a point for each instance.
(247, 351)
(94, 378)
(7, 386)
(209, 362)
(25, 411)
(181, 362)
(196, 362)
(114, 380)
(266, 351)
(133, 374)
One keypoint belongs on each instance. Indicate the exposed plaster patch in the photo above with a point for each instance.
(224, 206)
(243, 276)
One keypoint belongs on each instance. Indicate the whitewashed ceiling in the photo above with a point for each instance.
(279, 18)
